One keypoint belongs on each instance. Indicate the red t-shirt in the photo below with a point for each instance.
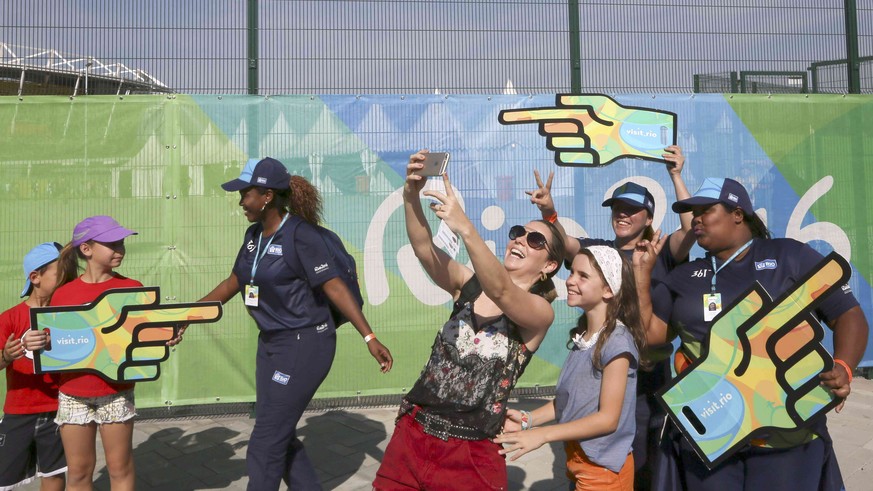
(26, 392)
(77, 292)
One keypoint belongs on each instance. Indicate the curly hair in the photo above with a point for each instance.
(301, 199)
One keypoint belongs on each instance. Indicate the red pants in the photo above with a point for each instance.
(589, 476)
(416, 460)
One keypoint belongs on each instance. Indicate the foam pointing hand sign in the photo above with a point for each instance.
(120, 336)
(594, 130)
(760, 369)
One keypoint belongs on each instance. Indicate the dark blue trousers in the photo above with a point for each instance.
(290, 367)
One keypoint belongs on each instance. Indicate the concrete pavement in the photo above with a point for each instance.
(346, 446)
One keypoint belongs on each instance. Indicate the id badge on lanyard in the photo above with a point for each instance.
(251, 294)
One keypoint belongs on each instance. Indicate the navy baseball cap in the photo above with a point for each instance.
(41, 255)
(718, 190)
(634, 195)
(266, 173)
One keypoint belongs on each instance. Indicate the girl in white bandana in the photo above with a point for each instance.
(595, 395)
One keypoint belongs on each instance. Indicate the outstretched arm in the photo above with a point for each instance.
(603, 421)
(542, 198)
(645, 256)
(681, 240)
(447, 273)
(529, 312)
(223, 292)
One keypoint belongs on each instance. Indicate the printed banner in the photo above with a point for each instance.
(157, 163)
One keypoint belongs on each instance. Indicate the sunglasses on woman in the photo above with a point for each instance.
(534, 239)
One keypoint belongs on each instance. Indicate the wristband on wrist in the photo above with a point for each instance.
(846, 366)
(553, 218)
(369, 337)
(525, 420)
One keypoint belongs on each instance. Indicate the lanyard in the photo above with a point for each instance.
(260, 255)
(715, 269)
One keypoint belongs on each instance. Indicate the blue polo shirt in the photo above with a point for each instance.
(297, 262)
(775, 263)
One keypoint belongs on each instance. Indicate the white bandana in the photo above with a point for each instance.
(609, 261)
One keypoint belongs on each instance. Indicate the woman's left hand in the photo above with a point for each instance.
(520, 442)
(449, 209)
(381, 354)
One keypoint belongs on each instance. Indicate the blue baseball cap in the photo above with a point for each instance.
(718, 190)
(634, 195)
(41, 255)
(266, 173)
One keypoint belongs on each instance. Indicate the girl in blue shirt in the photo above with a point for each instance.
(594, 399)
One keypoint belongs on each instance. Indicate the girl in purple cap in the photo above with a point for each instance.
(87, 402)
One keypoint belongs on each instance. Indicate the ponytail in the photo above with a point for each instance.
(68, 264)
(302, 199)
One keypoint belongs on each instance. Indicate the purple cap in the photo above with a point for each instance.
(634, 195)
(718, 190)
(266, 173)
(39, 256)
(100, 228)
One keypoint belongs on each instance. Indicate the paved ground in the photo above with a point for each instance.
(347, 445)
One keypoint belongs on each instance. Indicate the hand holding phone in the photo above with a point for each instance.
(435, 164)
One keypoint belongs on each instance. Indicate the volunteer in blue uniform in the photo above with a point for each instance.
(286, 281)
(740, 252)
(633, 208)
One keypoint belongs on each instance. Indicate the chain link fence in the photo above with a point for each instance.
(275, 47)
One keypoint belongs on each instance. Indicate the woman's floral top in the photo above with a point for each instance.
(470, 373)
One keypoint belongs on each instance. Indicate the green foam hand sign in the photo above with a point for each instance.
(760, 368)
(121, 336)
(594, 130)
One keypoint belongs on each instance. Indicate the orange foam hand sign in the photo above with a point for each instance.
(121, 336)
(594, 130)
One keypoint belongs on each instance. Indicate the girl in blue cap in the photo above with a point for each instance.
(31, 445)
(86, 402)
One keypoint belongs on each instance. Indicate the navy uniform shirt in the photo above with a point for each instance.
(296, 263)
(775, 263)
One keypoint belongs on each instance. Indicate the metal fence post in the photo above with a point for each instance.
(252, 51)
(854, 64)
(575, 48)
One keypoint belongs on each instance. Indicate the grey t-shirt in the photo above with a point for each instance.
(578, 394)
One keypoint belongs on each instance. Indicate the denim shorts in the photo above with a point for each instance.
(115, 408)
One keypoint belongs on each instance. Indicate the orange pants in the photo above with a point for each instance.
(589, 476)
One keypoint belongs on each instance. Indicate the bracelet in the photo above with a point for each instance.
(553, 218)
(846, 366)
(525, 420)
(369, 337)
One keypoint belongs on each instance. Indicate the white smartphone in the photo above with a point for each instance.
(435, 164)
